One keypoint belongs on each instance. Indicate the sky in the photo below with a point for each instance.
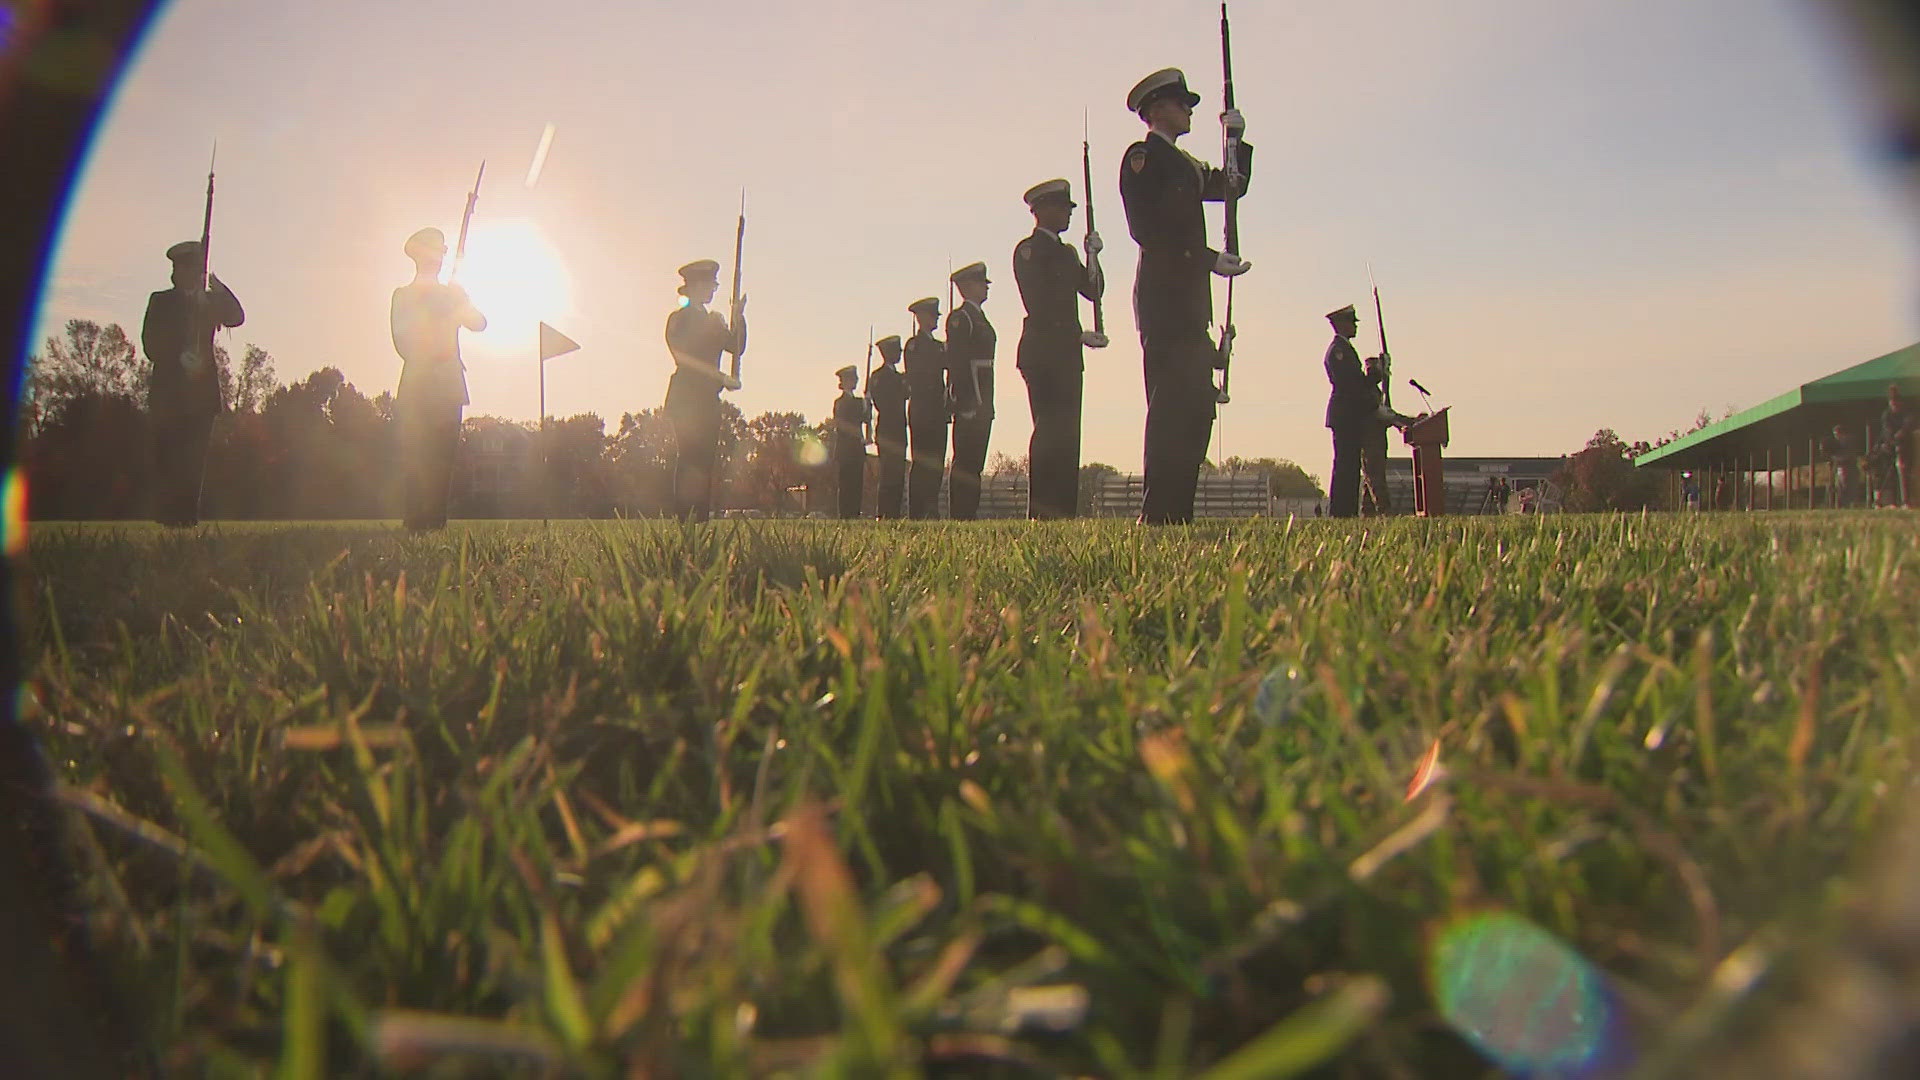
(1582, 214)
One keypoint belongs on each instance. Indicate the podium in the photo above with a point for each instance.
(1427, 435)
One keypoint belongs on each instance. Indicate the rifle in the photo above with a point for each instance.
(466, 219)
(1386, 359)
(739, 248)
(867, 423)
(1086, 181)
(203, 336)
(1232, 165)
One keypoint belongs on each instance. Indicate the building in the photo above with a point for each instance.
(1775, 455)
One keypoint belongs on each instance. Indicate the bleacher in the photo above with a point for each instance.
(1220, 495)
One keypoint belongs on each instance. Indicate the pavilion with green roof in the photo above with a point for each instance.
(1784, 434)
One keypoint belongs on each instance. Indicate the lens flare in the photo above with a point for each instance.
(13, 513)
(1522, 996)
(808, 450)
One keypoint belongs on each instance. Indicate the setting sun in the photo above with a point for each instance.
(514, 276)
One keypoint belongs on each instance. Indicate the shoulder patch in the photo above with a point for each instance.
(1026, 250)
(1137, 159)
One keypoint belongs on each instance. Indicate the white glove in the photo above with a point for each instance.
(1231, 265)
(1236, 124)
(1094, 245)
(1093, 339)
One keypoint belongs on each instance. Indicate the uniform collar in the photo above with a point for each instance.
(1042, 230)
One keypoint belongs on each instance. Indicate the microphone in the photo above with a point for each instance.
(1415, 383)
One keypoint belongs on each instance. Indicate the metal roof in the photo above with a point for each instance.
(1793, 418)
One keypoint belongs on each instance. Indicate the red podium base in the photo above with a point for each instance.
(1427, 435)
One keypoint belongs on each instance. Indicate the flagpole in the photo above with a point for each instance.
(545, 507)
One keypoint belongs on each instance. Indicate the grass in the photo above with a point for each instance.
(619, 799)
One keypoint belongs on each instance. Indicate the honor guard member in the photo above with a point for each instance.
(887, 396)
(183, 391)
(1052, 281)
(849, 443)
(1352, 410)
(1163, 189)
(426, 319)
(929, 408)
(697, 337)
(970, 346)
(1375, 500)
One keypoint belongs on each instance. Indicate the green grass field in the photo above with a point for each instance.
(632, 799)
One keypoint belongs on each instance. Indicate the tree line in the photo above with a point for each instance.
(321, 448)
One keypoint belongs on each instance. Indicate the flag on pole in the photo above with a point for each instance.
(554, 343)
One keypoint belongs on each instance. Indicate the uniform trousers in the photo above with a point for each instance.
(1053, 453)
(891, 446)
(1375, 500)
(430, 436)
(1180, 407)
(180, 438)
(969, 460)
(1343, 491)
(696, 430)
(849, 469)
(927, 431)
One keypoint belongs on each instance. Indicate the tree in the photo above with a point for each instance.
(243, 391)
(1285, 479)
(87, 361)
(1093, 477)
(1602, 477)
(84, 412)
(1008, 465)
(779, 450)
(578, 478)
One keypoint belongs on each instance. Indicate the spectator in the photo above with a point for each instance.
(1897, 427)
(1843, 460)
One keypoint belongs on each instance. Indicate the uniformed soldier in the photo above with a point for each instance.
(1375, 500)
(929, 408)
(426, 318)
(970, 348)
(1052, 280)
(183, 391)
(697, 337)
(1163, 189)
(1352, 411)
(887, 395)
(849, 443)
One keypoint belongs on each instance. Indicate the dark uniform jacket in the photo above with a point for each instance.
(426, 318)
(1355, 398)
(849, 426)
(1051, 281)
(175, 323)
(887, 389)
(699, 335)
(925, 359)
(1163, 188)
(970, 346)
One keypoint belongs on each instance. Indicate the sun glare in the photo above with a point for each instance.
(514, 275)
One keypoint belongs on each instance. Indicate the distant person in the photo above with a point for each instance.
(697, 337)
(929, 409)
(970, 348)
(887, 394)
(1164, 190)
(1690, 492)
(426, 319)
(1843, 461)
(183, 390)
(849, 443)
(1352, 409)
(1051, 360)
(1897, 428)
